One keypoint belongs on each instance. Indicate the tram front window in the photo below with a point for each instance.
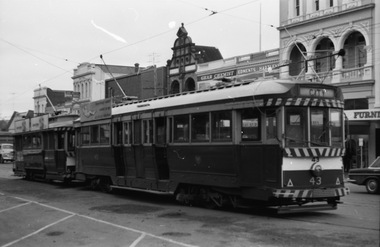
(336, 127)
(296, 127)
(319, 127)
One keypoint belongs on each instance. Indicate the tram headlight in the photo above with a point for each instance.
(316, 170)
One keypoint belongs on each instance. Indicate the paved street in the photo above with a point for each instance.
(50, 214)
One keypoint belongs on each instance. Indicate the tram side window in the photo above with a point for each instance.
(118, 133)
(200, 127)
(50, 144)
(32, 141)
(181, 128)
(127, 133)
(71, 140)
(295, 127)
(336, 127)
(147, 131)
(85, 135)
(221, 126)
(61, 140)
(250, 125)
(271, 126)
(94, 134)
(137, 132)
(160, 130)
(104, 133)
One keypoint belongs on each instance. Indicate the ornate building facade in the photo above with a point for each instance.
(311, 34)
(183, 65)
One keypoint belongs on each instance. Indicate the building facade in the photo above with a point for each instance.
(183, 65)
(238, 69)
(311, 35)
(89, 80)
(48, 101)
(144, 83)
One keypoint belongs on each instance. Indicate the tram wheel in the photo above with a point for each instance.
(105, 184)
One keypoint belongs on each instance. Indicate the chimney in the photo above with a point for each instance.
(137, 69)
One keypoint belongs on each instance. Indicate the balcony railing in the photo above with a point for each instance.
(337, 76)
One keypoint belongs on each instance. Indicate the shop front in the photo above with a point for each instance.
(362, 138)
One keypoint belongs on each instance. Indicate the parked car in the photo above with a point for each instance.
(6, 152)
(370, 176)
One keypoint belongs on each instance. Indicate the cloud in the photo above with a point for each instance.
(118, 38)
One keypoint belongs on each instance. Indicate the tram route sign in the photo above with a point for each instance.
(96, 110)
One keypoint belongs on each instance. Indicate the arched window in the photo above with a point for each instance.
(297, 64)
(356, 54)
(174, 87)
(189, 85)
(323, 50)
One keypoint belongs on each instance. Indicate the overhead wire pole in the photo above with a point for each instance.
(117, 83)
(303, 55)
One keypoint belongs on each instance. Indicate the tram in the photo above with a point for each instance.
(44, 147)
(271, 142)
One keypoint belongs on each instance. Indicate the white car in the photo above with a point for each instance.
(6, 152)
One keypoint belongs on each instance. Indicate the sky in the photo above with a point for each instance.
(43, 41)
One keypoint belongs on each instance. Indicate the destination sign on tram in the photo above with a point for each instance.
(317, 92)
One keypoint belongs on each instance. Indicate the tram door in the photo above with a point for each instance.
(160, 149)
(118, 149)
(138, 149)
(60, 154)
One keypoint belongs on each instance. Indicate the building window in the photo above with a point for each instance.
(297, 7)
(316, 5)
(331, 3)
(356, 54)
(356, 104)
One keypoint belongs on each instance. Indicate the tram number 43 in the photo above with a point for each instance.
(316, 180)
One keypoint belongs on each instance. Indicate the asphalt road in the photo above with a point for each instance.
(50, 214)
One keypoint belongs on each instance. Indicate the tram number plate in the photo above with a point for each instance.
(323, 193)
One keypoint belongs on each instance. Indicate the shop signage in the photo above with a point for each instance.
(357, 115)
(241, 71)
(22, 125)
(39, 123)
(95, 110)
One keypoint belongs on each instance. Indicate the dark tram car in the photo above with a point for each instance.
(44, 148)
(272, 143)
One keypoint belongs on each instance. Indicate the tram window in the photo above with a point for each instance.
(181, 128)
(147, 131)
(319, 132)
(50, 140)
(200, 127)
(336, 127)
(271, 125)
(296, 126)
(221, 126)
(250, 125)
(35, 141)
(104, 134)
(85, 135)
(60, 140)
(160, 130)
(118, 133)
(94, 134)
(127, 133)
(71, 141)
(137, 132)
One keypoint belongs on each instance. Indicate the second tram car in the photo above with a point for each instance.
(271, 142)
(44, 148)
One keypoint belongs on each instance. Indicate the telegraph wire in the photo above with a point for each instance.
(31, 54)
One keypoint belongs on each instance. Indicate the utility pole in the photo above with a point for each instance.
(153, 60)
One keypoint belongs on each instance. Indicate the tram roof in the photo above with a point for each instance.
(256, 88)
